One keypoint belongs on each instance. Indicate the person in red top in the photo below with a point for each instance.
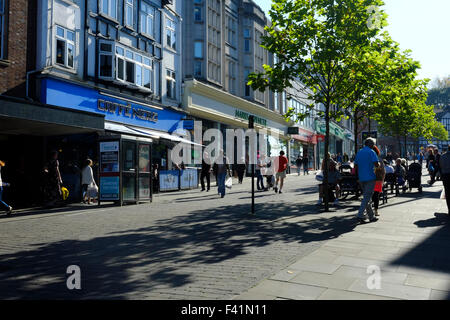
(281, 172)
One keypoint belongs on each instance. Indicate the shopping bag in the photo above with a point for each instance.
(443, 194)
(93, 191)
(229, 183)
(319, 175)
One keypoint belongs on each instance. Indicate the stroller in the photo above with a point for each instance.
(348, 182)
(414, 176)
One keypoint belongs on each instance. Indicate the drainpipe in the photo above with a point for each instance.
(28, 82)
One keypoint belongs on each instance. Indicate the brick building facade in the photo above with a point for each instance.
(17, 45)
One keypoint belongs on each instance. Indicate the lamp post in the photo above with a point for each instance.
(251, 125)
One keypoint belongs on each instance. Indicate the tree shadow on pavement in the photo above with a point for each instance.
(432, 253)
(170, 253)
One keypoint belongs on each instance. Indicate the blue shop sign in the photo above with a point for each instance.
(68, 95)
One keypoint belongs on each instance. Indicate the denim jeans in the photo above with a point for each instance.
(2, 203)
(366, 204)
(221, 183)
(259, 180)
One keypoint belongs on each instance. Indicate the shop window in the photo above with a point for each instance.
(147, 19)
(65, 47)
(109, 7)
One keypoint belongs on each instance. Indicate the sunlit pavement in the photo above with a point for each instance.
(196, 245)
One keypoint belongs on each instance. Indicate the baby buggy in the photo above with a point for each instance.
(414, 176)
(348, 182)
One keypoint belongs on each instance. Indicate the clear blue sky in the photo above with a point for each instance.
(421, 26)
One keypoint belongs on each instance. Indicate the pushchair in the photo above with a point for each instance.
(348, 182)
(414, 176)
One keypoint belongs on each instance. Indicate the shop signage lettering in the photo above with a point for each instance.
(126, 110)
(244, 115)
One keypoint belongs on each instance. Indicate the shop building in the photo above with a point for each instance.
(221, 48)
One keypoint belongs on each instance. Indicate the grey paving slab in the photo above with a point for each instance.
(333, 294)
(287, 290)
(315, 266)
(363, 263)
(285, 275)
(334, 281)
(428, 282)
(392, 290)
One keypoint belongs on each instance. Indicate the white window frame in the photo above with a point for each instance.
(108, 11)
(171, 30)
(64, 38)
(139, 61)
(3, 30)
(129, 5)
(106, 53)
(171, 77)
(149, 18)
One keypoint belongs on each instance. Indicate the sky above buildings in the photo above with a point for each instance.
(418, 25)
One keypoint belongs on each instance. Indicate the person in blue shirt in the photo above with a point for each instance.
(365, 163)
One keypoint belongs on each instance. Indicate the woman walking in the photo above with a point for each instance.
(7, 208)
(380, 173)
(87, 180)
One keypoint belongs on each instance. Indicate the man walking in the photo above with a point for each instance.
(282, 162)
(205, 173)
(222, 167)
(435, 161)
(366, 160)
(298, 163)
(445, 172)
(305, 164)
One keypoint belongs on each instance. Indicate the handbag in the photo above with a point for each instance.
(229, 183)
(64, 193)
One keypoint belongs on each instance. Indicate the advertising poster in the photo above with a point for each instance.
(109, 156)
(109, 188)
(169, 180)
(189, 179)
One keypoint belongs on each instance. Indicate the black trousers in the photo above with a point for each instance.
(376, 199)
(446, 181)
(204, 175)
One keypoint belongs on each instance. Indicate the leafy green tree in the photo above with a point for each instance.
(314, 41)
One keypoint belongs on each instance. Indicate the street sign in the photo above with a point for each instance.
(293, 130)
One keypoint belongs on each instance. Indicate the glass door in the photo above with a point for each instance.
(129, 171)
(144, 176)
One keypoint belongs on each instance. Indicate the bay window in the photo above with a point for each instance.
(65, 47)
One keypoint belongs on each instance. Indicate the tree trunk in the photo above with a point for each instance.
(325, 169)
(399, 145)
(356, 131)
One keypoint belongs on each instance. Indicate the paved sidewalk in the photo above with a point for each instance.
(195, 245)
(409, 245)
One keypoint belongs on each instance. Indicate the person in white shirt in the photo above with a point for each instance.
(87, 181)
